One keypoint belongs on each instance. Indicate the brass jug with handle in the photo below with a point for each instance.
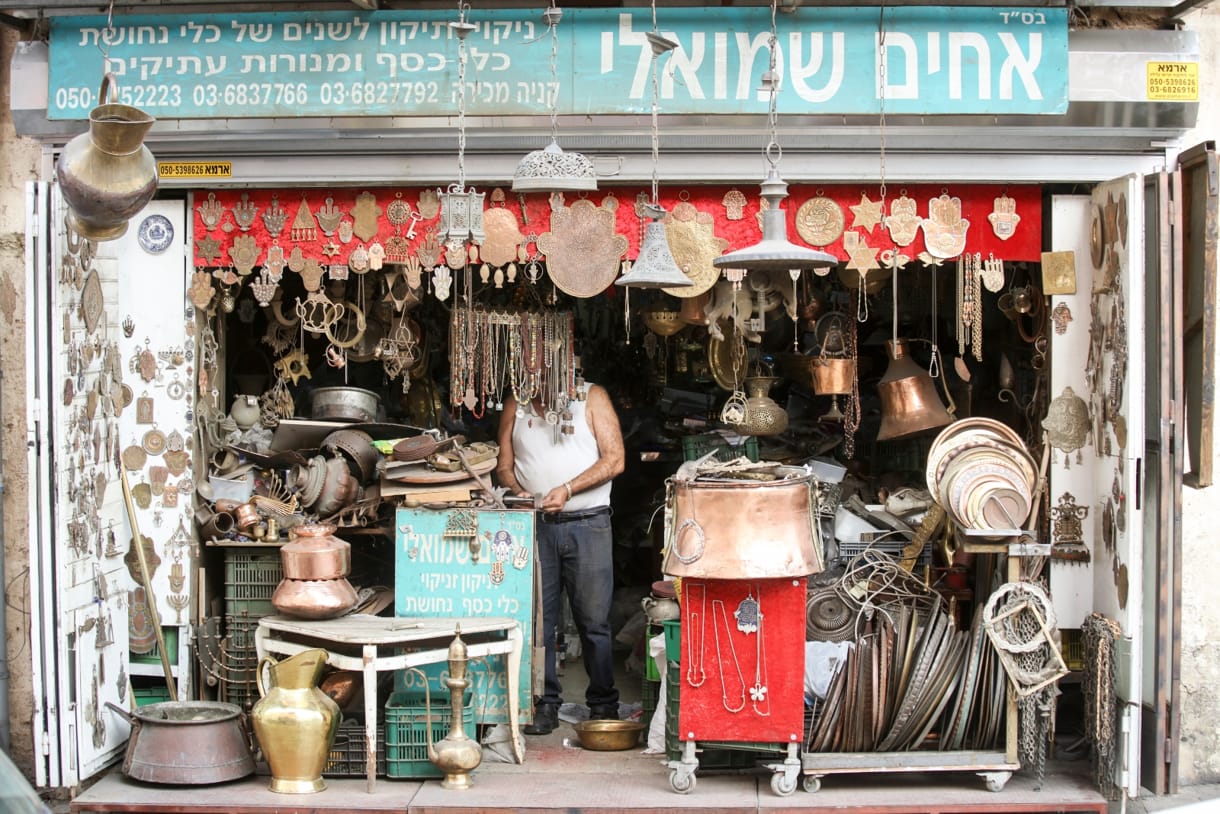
(294, 721)
(107, 175)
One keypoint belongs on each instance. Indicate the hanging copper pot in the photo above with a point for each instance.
(833, 374)
(694, 309)
(909, 403)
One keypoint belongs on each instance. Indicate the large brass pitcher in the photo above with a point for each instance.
(107, 175)
(294, 721)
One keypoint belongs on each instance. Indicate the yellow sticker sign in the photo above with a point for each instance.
(195, 169)
(1173, 81)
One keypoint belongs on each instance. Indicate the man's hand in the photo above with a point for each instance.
(554, 500)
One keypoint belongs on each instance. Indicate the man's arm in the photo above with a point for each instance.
(611, 458)
(506, 473)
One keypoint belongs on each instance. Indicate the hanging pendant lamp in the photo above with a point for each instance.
(655, 267)
(774, 252)
(551, 169)
(909, 402)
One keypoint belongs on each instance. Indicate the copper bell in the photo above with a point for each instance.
(909, 403)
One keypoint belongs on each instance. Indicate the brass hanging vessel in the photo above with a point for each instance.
(107, 175)
(909, 403)
(457, 755)
(763, 416)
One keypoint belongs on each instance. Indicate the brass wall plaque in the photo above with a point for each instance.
(1058, 273)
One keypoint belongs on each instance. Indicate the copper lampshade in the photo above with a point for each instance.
(909, 403)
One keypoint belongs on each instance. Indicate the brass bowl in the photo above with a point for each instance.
(609, 736)
(664, 322)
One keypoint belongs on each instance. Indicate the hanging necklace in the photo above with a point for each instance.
(694, 650)
(719, 615)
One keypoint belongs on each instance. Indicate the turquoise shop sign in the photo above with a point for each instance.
(938, 60)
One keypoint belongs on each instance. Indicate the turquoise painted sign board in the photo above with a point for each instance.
(938, 60)
(467, 562)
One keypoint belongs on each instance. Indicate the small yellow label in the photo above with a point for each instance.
(1173, 81)
(195, 169)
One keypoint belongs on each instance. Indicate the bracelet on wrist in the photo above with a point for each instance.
(568, 485)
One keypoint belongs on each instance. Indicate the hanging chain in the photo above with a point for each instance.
(655, 133)
(772, 151)
(553, 17)
(461, 34)
(883, 59)
(1099, 638)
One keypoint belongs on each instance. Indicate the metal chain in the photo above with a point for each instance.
(461, 182)
(881, 86)
(1099, 637)
(772, 152)
(554, 26)
(655, 133)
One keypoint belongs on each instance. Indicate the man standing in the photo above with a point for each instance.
(569, 475)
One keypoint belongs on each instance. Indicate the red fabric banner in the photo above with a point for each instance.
(978, 205)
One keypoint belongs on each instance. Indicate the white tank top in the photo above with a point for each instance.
(545, 458)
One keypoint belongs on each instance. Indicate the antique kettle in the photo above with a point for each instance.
(457, 755)
(107, 175)
(909, 403)
(294, 721)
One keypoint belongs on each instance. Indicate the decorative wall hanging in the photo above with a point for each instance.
(694, 246)
(365, 214)
(346, 231)
(92, 304)
(1004, 217)
(991, 272)
(210, 212)
(328, 217)
(207, 249)
(244, 253)
(820, 221)
(155, 234)
(945, 229)
(244, 212)
(1058, 273)
(201, 291)
(1067, 535)
(903, 221)
(429, 204)
(504, 236)
(1061, 316)
(582, 249)
(274, 217)
(734, 204)
(304, 226)
(866, 214)
(1067, 425)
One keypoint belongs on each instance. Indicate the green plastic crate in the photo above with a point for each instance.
(673, 639)
(170, 634)
(150, 695)
(696, 446)
(406, 734)
(713, 755)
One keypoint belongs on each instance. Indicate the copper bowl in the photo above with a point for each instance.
(609, 736)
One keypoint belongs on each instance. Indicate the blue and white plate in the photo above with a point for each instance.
(155, 234)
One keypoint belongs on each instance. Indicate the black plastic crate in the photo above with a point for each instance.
(347, 754)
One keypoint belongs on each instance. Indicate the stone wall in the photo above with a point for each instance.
(1200, 687)
(19, 165)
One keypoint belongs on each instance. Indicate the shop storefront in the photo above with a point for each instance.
(336, 256)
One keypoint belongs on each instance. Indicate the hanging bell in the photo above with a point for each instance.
(909, 403)
(655, 267)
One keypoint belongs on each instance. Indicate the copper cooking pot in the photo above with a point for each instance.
(316, 553)
(314, 598)
(743, 529)
(187, 742)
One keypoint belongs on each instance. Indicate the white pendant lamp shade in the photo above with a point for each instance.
(553, 170)
(774, 252)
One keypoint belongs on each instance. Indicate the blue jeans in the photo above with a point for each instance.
(577, 557)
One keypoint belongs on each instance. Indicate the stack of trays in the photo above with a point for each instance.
(981, 473)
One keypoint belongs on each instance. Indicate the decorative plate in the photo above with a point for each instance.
(155, 234)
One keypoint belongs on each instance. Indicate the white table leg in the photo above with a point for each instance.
(514, 681)
(370, 714)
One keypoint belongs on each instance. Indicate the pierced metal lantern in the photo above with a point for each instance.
(655, 267)
(461, 215)
(553, 170)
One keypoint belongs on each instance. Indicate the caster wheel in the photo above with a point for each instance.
(782, 784)
(811, 784)
(682, 782)
(995, 780)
